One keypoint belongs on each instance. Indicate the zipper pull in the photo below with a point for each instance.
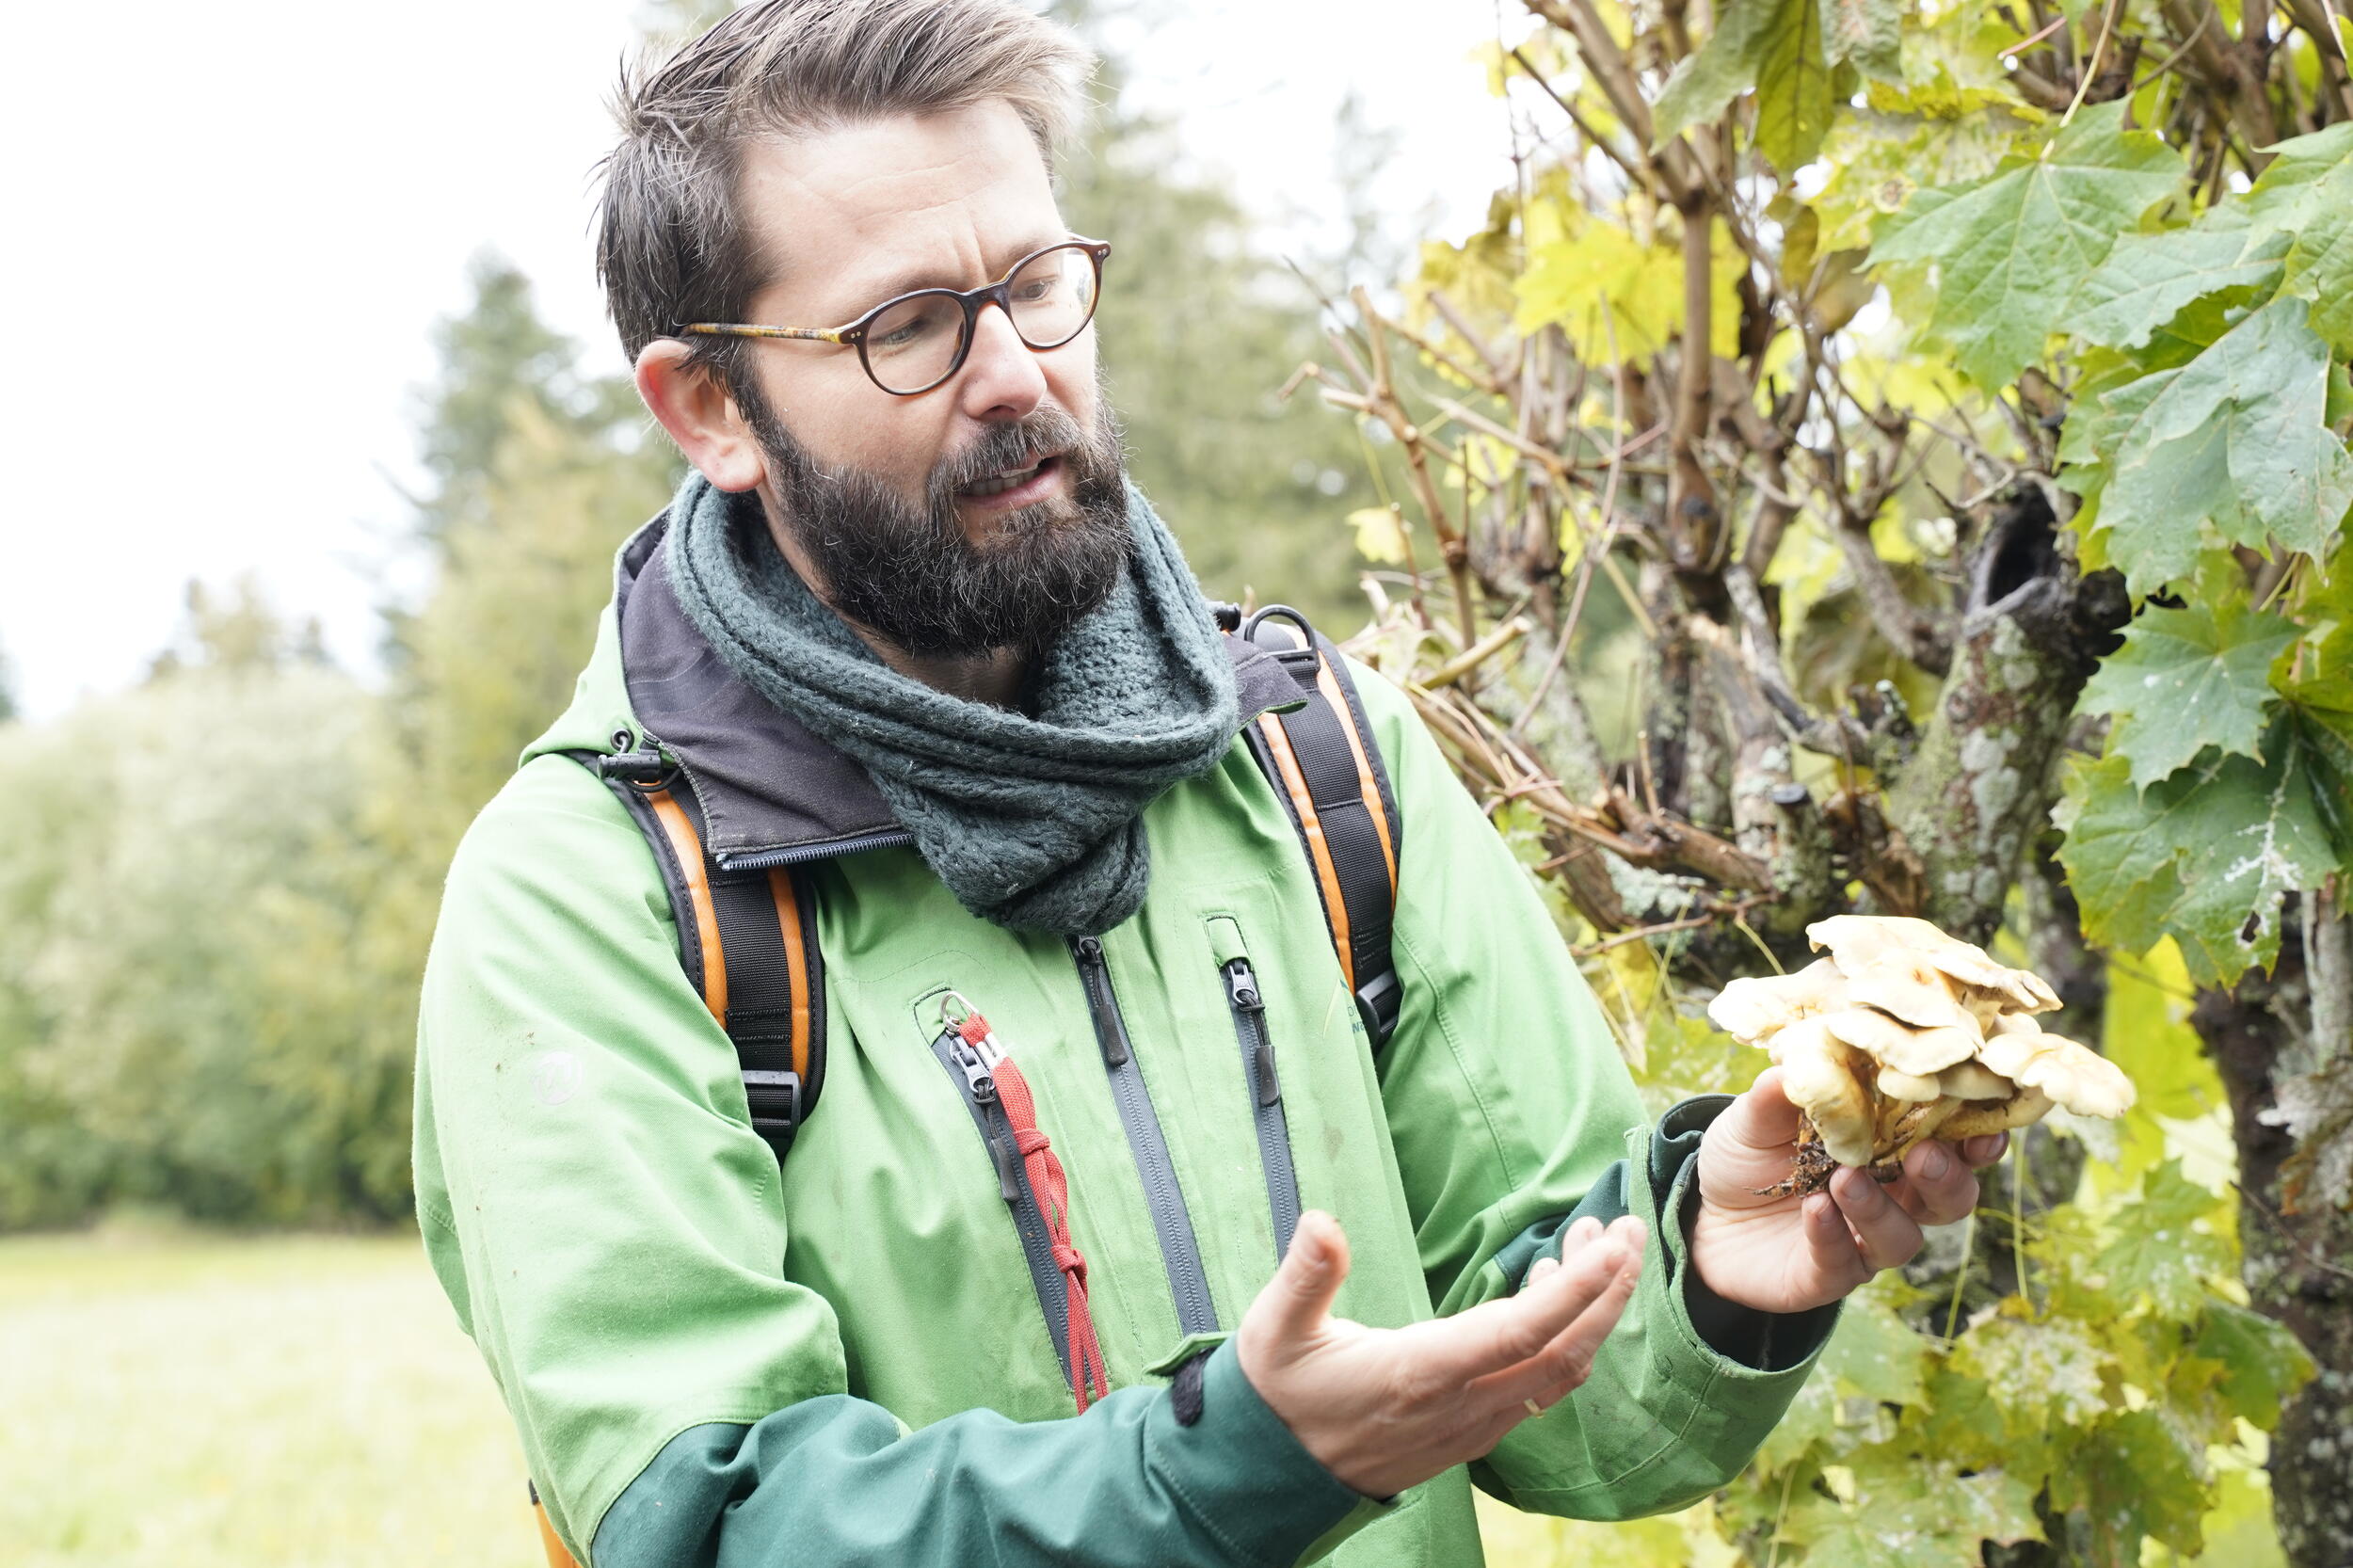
(1000, 1155)
(1241, 986)
(1242, 990)
(1110, 1031)
(976, 1072)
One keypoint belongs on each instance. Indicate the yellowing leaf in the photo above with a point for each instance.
(1380, 533)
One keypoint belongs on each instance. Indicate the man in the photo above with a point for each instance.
(907, 628)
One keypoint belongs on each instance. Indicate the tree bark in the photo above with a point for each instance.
(2297, 1268)
(1978, 790)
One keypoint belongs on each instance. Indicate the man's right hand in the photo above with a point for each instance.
(1384, 1409)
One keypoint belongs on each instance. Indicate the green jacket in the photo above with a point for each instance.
(855, 1361)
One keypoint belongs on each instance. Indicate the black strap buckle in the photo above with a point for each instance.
(1379, 1000)
(774, 1098)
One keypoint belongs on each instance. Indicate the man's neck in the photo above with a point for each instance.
(993, 677)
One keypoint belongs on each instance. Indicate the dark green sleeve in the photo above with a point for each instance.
(832, 1479)
(1766, 1341)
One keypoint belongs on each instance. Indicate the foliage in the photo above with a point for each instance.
(1892, 456)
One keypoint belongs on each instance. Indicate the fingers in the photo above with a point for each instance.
(1299, 1298)
(1833, 1258)
(1982, 1151)
(1561, 1366)
(1884, 1235)
(1938, 1188)
(1502, 1333)
(1763, 1118)
(1584, 1233)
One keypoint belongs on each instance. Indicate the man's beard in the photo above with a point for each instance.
(910, 575)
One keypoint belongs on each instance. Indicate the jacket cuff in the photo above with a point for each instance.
(1245, 1479)
(1743, 1338)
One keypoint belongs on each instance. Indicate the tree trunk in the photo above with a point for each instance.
(2298, 1267)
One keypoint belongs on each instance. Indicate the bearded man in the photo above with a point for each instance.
(909, 642)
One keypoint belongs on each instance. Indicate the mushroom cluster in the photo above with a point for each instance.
(1904, 1033)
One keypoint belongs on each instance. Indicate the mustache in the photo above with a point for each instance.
(1044, 433)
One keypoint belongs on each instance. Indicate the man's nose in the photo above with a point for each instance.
(1003, 378)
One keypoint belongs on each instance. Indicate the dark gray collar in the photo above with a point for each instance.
(771, 793)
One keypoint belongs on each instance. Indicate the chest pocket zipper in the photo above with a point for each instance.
(1247, 1004)
(1030, 1179)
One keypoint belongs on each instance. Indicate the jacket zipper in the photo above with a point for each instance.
(974, 1081)
(1248, 1005)
(1187, 1284)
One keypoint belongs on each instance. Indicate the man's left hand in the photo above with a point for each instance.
(1791, 1252)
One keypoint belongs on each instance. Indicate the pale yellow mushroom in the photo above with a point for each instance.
(1892, 1043)
(1913, 991)
(2078, 1078)
(1751, 1010)
(1914, 1088)
(1817, 1073)
(2023, 1109)
(1858, 942)
(1975, 1081)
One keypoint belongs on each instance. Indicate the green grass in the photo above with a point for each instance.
(204, 1402)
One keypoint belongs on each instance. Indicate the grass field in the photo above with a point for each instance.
(227, 1402)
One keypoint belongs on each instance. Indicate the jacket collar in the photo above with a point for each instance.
(770, 791)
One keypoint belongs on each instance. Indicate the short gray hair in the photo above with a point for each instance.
(671, 246)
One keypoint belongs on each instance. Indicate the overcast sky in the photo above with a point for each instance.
(232, 225)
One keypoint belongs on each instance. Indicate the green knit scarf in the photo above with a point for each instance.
(1032, 821)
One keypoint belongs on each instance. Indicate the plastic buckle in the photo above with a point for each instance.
(1379, 1000)
(767, 1089)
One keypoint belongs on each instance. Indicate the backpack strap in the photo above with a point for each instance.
(1327, 769)
(747, 940)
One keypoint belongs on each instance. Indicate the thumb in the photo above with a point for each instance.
(1764, 1118)
(1299, 1298)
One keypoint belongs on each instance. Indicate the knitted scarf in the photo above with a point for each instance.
(1032, 821)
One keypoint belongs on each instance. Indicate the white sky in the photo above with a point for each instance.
(232, 225)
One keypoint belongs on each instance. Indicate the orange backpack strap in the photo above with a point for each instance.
(747, 940)
(1327, 769)
(557, 1556)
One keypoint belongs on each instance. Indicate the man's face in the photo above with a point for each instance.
(876, 492)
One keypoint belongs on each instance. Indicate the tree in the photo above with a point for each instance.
(1894, 459)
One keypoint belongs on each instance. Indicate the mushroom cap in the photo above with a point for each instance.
(1913, 991)
(1750, 1009)
(1975, 1081)
(1818, 1074)
(2078, 1078)
(1861, 942)
(1892, 1043)
(1914, 1087)
(2023, 1109)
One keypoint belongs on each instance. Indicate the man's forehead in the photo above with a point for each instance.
(865, 211)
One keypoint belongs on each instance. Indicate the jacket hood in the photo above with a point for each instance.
(768, 789)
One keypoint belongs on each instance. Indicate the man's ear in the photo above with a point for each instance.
(699, 415)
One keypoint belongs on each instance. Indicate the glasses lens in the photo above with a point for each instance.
(910, 345)
(1053, 295)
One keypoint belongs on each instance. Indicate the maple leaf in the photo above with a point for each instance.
(2204, 855)
(2148, 278)
(2185, 679)
(2011, 250)
(2236, 439)
(1775, 47)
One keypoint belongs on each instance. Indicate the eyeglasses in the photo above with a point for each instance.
(913, 342)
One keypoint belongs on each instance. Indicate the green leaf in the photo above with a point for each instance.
(2204, 855)
(1874, 1353)
(1868, 32)
(2235, 440)
(2166, 1245)
(2011, 250)
(1913, 1513)
(2138, 1475)
(2148, 278)
(2046, 1375)
(1773, 46)
(2185, 679)
(2320, 266)
(1719, 70)
(2262, 1362)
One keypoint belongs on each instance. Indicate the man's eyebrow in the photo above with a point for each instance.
(859, 299)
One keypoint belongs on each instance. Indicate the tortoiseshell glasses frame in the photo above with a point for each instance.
(906, 313)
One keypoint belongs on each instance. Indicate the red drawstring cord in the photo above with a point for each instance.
(1053, 1198)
